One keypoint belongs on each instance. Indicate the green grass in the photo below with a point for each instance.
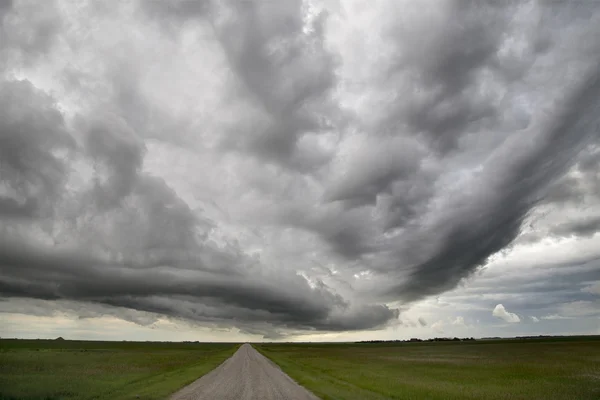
(500, 369)
(52, 370)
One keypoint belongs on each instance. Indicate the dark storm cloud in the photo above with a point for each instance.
(33, 138)
(146, 249)
(431, 235)
(401, 189)
(83, 310)
(586, 228)
(5, 6)
(281, 70)
(434, 79)
(186, 291)
(115, 146)
(32, 133)
(575, 195)
(378, 167)
(469, 239)
(28, 30)
(550, 288)
(178, 9)
(447, 104)
(402, 178)
(285, 72)
(583, 185)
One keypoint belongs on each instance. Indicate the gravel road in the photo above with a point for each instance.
(246, 375)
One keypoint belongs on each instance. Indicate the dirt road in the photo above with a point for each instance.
(246, 375)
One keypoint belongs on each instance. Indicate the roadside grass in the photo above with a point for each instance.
(500, 369)
(54, 370)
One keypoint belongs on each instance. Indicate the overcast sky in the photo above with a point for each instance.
(299, 169)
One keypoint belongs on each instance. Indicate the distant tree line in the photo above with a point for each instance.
(412, 340)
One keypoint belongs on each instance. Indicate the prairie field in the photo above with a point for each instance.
(549, 368)
(53, 369)
(557, 368)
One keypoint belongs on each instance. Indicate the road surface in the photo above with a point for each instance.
(246, 375)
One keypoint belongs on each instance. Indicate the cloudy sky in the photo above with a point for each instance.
(299, 169)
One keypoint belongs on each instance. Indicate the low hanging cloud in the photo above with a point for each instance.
(244, 164)
(502, 313)
(592, 288)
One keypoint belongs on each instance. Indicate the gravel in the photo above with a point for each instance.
(246, 375)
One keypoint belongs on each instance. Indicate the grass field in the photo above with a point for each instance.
(567, 368)
(52, 370)
(558, 368)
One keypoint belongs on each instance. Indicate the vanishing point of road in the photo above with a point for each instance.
(246, 375)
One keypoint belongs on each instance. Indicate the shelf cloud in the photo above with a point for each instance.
(294, 166)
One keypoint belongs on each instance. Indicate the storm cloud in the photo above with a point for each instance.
(272, 167)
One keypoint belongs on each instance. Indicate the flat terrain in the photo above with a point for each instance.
(556, 368)
(247, 375)
(52, 370)
(567, 368)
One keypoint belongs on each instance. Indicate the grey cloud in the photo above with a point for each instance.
(152, 251)
(402, 191)
(396, 173)
(590, 160)
(582, 185)
(5, 7)
(130, 104)
(477, 224)
(43, 308)
(530, 290)
(195, 294)
(586, 228)
(32, 136)
(152, 220)
(410, 216)
(498, 222)
(443, 101)
(148, 251)
(374, 170)
(446, 103)
(553, 317)
(285, 71)
(581, 308)
(28, 29)
(592, 288)
(345, 231)
(178, 9)
(434, 78)
(115, 146)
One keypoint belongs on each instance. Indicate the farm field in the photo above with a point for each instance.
(559, 368)
(52, 369)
